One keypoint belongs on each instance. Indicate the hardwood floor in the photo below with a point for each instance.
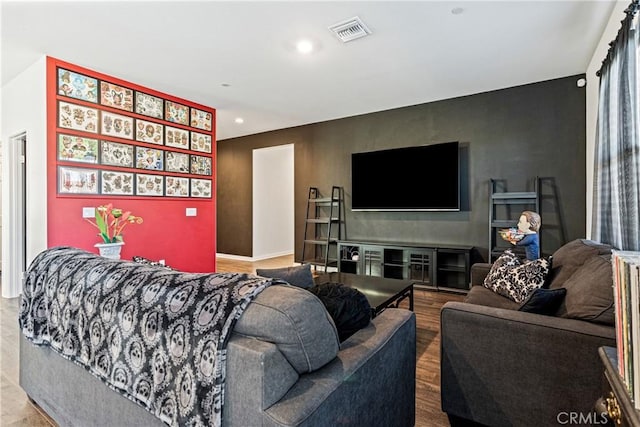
(16, 409)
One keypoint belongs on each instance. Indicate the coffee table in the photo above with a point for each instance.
(381, 292)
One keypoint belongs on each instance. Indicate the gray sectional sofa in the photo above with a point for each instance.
(505, 367)
(284, 367)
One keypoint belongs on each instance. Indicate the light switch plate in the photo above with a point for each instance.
(88, 212)
(192, 211)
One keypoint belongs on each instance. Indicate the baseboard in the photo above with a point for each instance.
(252, 259)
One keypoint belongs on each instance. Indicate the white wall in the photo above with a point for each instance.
(24, 110)
(273, 209)
(593, 82)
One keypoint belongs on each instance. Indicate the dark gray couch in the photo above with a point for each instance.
(504, 367)
(285, 367)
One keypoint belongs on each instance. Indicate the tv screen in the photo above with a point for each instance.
(423, 178)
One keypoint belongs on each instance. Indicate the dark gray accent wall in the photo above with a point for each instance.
(513, 134)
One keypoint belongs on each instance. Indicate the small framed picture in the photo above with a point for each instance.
(120, 183)
(200, 165)
(200, 142)
(116, 125)
(176, 113)
(201, 119)
(77, 117)
(176, 162)
(116, 154)
(200, 188)
(176, 186)
(77, 180)
(149, 158)
(149, 105)
(77, 85)
(116, 96)
(150, 132)
(149, 185)
(175, 137)
(73, 148)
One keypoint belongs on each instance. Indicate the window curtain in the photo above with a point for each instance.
(616, 208)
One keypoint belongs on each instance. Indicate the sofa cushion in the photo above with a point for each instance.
(510, 278)
(590, 292)
(480, 295)
(568, 258)
(348, 307)
(296, 321)
(544, 301)
(299, 275)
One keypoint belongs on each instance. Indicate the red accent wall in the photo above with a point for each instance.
(186, 243)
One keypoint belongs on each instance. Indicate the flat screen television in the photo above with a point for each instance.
(422, 178)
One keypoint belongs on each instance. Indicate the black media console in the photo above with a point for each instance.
(442, 267)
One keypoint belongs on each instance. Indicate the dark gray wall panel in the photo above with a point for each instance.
(513, 134)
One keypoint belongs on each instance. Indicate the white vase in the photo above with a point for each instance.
(110, 250)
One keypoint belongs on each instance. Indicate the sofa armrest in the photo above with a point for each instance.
(479, 271)
(370, 382)
(506, 367)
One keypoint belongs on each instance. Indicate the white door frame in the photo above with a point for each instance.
(13, 215)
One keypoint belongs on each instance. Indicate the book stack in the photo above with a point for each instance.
(626, 293)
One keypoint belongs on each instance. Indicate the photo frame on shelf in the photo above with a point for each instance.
(149, 105)
(149, 158)
(176, 162)
(176, 137)
(176, 113)
(150, 132)
(76, 85)
(200, 188)
(77, 180)
(113, 95)
(116, 125)
(73, 148)
(116, 154)
(176, 186)
(200, 142)
(116, 183)
(77, 117)
(149, 185)
(201, 119)
(200, 165)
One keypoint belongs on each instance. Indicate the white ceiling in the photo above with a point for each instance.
(419, 51)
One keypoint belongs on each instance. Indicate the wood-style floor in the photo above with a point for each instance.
(17, 410)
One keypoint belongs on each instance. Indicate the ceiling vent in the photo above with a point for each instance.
(350, 29)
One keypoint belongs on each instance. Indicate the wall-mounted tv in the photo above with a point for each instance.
(422, 178)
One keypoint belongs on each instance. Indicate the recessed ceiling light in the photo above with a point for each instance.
(304, 46)
(457, 10)
(239, 120)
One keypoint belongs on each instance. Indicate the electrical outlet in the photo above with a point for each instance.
(192, 211)
(161, 262)
(88, 212)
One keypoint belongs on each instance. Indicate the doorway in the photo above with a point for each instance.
(273, 202)
(14, 237)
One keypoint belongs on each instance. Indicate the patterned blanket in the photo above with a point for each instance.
(154, 335)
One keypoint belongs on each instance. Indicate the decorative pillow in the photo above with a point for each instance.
(147, 261)
(516, 281)
(348, 307)
(299, 275)
(544, 301)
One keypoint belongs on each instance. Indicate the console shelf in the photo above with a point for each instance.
(434, 266)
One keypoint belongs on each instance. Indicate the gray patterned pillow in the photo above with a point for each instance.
(514, 280)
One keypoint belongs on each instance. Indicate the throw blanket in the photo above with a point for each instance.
(154, 335)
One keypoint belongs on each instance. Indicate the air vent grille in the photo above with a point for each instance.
(351, 29)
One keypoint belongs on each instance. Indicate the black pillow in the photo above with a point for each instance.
(348, 307)
(544, 301)
(299, 275)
